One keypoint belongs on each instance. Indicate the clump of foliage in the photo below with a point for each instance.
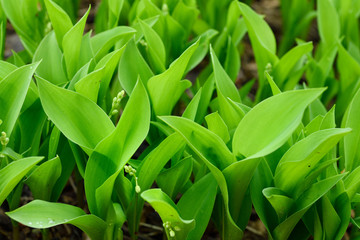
(113, 107)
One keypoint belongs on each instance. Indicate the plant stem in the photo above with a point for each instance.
(15, 232)
(45, 234)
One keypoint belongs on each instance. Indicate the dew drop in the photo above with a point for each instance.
(30, 223)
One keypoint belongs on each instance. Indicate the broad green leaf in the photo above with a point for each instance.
(31, 122)
(287, 63)
(238, 176)
(278, 199)
(343, 208)
(217, 125)
(169, 213)
(155, 47)
(71, 44)
(349, 71)
(89, 85)
(206, 95)
(84, 123)
(109, 63)
(129, 72)
(67, 166)
(172, 180)
(331, 220)
(351, 141)
(50, 68)
(262, 179)
(12, 174)
(232, 61)
(328, 21)
(262, 41)
(202, 141)
(277, 116)
(13, 89)
(186, 15)
(352, 183)
(303, 203)
(60, 21)
(192, 108)
(274, 88)
(42, 214)
(303, 156)
(111, 154)
(27, 20)
(202, 49)
(223, 82)
(166, 88)
(43, 178)
(197, 203)
(101, 43)
(5, 69)
(149, 169)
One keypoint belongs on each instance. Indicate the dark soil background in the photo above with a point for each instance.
(151, 226)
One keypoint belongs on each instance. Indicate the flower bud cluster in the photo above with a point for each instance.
(168, 226)
(116, 103)
(131, 171)
(4, 139)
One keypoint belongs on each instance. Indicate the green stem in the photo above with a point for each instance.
(15, 232)
(45, 234)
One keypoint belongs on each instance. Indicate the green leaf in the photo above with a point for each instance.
(352, 183)
(111, 154)
(197, 203)
(262, 40)
(71, 45)
(109, 63)
(303, 203)
(27, 20)
(129, 72)
(155, 47)
(274, 88)
(166, 88)
(202, 141)
(277, 116)
(287, 63)
(238, 176)
(169, 213)
(172, 180)
(223, 82)
(41, 214)
(218, 126)
(84, 123)
(89, 85)
(13, 89)
(12, 174)
(50, 68)
(281, 203)
(351, 141)
(5, 69)
(43, 178)
(303, 157)
(192, 108)
(101, 43)
(60, 21)
(147, 172)
(328, 21)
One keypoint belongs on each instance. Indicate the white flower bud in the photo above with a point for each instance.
(137, 189)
